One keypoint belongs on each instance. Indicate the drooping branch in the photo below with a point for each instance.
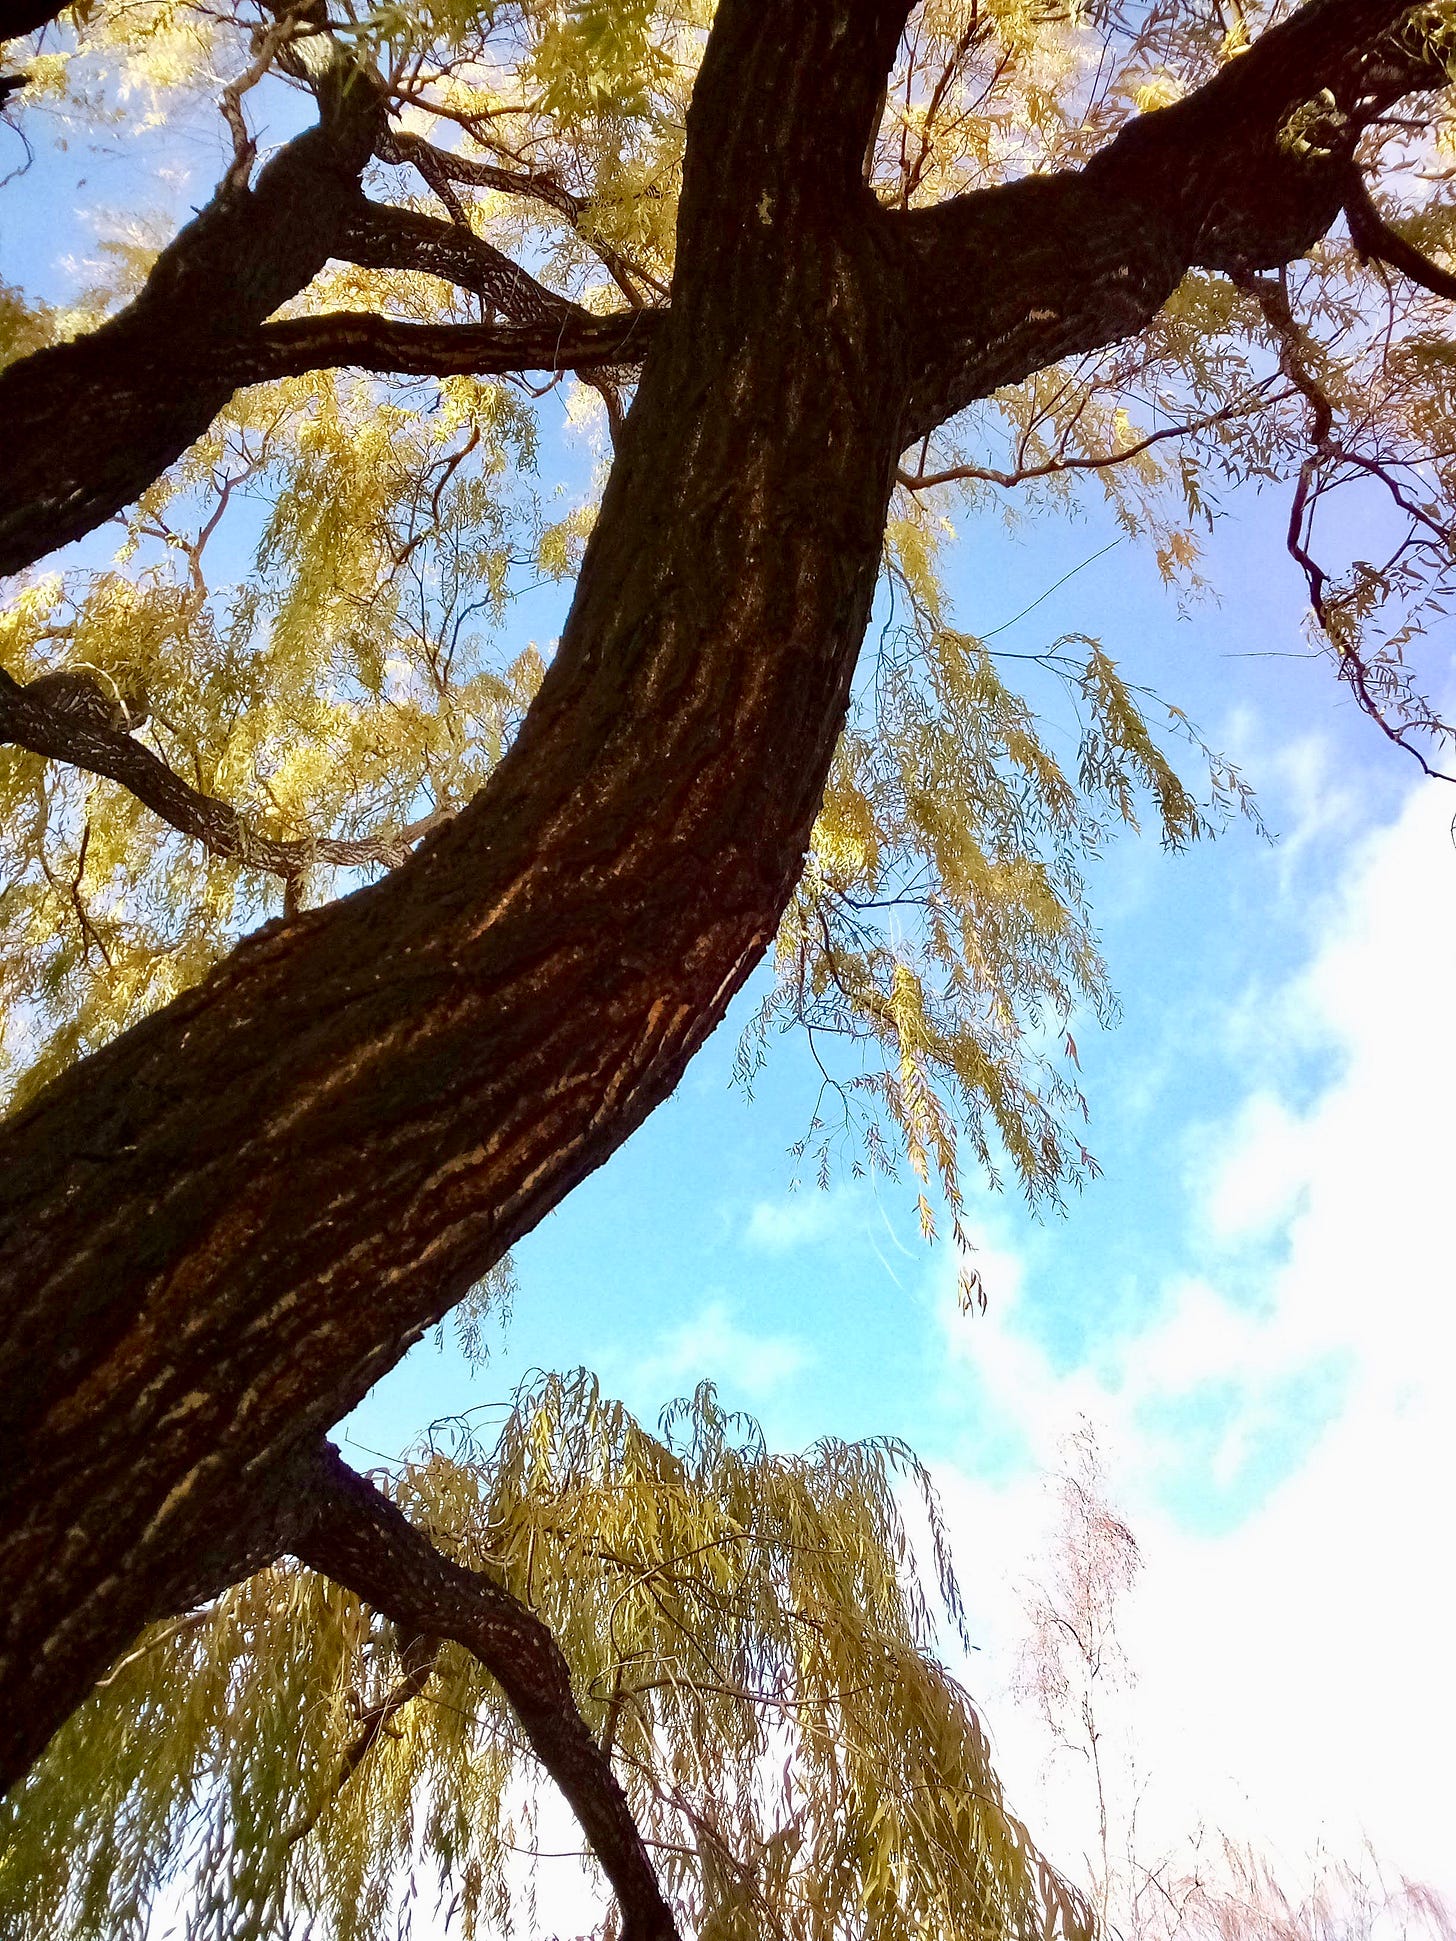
(29, 719)
(1299, 360)
(418, 1660)
(366, 1543)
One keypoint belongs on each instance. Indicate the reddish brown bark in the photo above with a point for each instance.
(216, 1234)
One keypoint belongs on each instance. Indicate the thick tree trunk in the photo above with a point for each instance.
(221, 1231)
(216, 1234)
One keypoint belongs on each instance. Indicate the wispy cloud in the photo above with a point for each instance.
(806, 1219)
(715, 1345)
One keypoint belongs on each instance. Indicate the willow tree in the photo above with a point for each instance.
(821, 264)
(749, 1647)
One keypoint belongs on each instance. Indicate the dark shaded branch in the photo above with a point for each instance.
(1005, 281)
(366, 342)
(366, 1543)
(20, 17)
(382, 238)
(527, 183)
(1298, 359)
(1376, 241)
(71, 893)
(29, 720)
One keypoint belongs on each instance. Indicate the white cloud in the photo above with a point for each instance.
(715, 1345)
(805, 1220)
(1297, 1666)
(1255, 1169)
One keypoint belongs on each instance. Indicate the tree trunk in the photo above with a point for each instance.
(223, 1229)
(220, 1231)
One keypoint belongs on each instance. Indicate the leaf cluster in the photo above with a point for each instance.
(750, 1635)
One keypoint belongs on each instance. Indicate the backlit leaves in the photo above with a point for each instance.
(749, 1633)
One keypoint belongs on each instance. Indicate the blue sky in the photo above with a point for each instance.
(1251, 1305)
(1187, 1303)
(1253, 1302)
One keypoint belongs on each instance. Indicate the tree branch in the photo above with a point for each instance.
(366, 1543)
(1298, 360)
(530, 184)
(89, 424)
(29, 720)
(1375, 240)
(371, 343)
(383, 238)
(923, 481)
(1000, 283)
(418, 1658)
(21, 17)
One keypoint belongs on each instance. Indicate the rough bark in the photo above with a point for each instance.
(216, 1234)
(444, 1055)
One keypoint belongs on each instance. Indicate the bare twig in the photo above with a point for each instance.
(922, 481)
(1298, 359)
(419, 1658)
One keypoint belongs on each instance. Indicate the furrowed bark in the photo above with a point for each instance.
(366, 1543)
(217, 1233)
(220, 1233)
